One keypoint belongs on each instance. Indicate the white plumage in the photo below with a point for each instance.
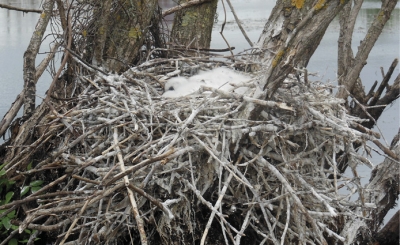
(220, 78)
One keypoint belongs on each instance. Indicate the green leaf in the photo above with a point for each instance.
(29, 167)
(9, 184)
(6, 222)
(11, 214)
(13, 241)
(2, 165)
(2, 172)
(3, 181)
(35, 189)
(9, 195)
(28, 231)
(36, 183)
(25, 190)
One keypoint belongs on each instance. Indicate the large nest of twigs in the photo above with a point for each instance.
(133, 165)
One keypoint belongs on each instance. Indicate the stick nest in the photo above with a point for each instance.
(125, 164)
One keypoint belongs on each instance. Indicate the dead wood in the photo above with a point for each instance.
(20, 9)
(121, 163)
(178, 150)
(183, 6)
(382, 191)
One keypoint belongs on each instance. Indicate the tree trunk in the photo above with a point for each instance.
(119, 30)
(193, 26)
(290, 37)
(389, 235)
(349, 67)
(30, 56)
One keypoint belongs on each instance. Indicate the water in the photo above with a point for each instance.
(16, 29)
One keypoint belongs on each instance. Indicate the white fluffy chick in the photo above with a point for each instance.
(178, 87)
(220, 78)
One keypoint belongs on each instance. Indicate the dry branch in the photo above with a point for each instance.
(161, 143)
(20, 9)
(183, 6)
(122, 162)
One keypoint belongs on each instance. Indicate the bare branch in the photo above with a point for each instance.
(183, 6)
(350, 78)
(20, 9)
(239, 24)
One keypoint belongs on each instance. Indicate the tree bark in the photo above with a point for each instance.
(119, 29)
(347, 20)
(30, 56)
(193, 25)
(350, 68)
(389, 235)
(289, 39)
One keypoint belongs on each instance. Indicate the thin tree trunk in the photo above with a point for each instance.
(350, 68)
(30, 56)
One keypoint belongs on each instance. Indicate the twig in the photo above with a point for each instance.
(139, 220)
(216, 207)
(183, 6)
(384, 83)
(222, 29)
(239, 24)
(166, 156)
(287, 220)
(20, 9)
(156, 202)
(208, 204)
(78, 216)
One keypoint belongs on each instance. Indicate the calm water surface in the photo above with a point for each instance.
(16, 29)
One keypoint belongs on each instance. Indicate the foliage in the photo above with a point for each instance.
(7, 186)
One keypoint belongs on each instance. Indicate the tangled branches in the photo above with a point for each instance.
(124, 160)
